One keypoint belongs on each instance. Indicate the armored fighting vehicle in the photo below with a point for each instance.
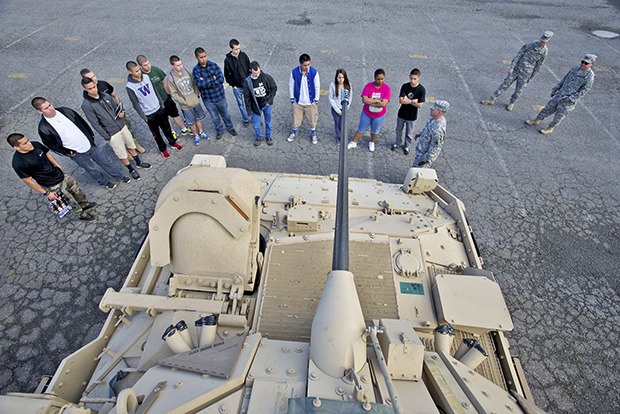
(259, 292)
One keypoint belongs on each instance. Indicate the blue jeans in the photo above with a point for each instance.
(337, 123)
(267, 110)
(238, 92)
(216, 110)
(89, 161)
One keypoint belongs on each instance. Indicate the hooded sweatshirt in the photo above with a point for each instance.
(101, 113)
(143, 96)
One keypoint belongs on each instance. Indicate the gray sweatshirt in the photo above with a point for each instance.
(143, 96)
(102, 115)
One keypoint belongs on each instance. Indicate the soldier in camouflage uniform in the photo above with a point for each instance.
(566, 93)
(524, 66)
(430, 140)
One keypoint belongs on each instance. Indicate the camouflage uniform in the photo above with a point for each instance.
(566, 93)
(430, 142)
(524, 65)
(72, 192)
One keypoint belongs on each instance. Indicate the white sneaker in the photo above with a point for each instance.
(315, 140)
(291, 137)
(371, 146)
(352, 144)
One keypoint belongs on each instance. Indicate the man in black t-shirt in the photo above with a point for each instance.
(103, 86)
(39, 170)
(412, 96)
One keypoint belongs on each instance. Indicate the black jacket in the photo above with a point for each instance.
(102, 114)
(236, 69)
(52, 140)
(250, 98)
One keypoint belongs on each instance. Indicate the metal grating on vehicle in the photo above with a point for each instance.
(295, 279)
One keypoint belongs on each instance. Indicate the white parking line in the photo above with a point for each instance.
(474, 104)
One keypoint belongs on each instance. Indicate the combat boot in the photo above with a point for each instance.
(547, 130)
(488, 102)
(534, 121)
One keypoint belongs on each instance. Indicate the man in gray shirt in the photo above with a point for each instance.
(106, 117)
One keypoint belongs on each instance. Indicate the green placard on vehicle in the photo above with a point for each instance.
(411, 288)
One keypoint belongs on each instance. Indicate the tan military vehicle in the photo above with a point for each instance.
(254, 293)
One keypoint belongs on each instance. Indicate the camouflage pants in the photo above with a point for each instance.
(421, 162)
(72, 192)
(560, 106)
(510, 79)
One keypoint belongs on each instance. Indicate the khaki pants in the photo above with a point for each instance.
(310, 112)
(121, 141)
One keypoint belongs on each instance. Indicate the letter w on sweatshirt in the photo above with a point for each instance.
(144, 90)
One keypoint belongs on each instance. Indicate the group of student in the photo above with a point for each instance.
(156, 96)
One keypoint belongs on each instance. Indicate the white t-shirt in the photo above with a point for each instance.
(70, 135)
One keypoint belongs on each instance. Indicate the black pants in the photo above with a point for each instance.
(156, 121)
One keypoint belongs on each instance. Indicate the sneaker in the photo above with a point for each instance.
(269, 141)
(406, 150)
(219, 135)
(315, 140)
(246, 124)
(204, 136)
(110, 185)
(233, 132)
(258, 141)
(352, 144)
(89, 206)
(127, 180)
(134, 174)
(196, 139)
(177, 146)
(488, 102)
(165, 154)
(371, 146)
(510, 107)
(393, 147)
(291, 137)
(186, 131)
(534, 121)
(86, 217)
(174, 135)
(144, 165)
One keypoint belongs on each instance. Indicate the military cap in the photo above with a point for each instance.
(441, 105)
(589, 58)
(546, 36)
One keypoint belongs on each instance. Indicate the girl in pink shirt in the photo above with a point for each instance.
(375, 97)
